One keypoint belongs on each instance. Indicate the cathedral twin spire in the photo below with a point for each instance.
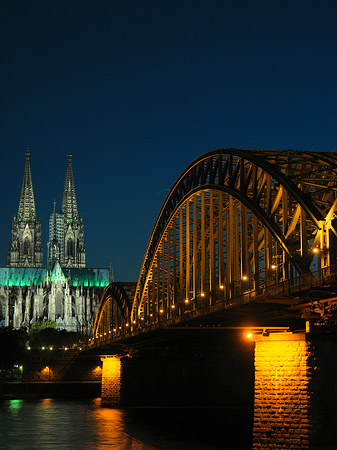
(66, 243)
(26, 210)
(69, 204)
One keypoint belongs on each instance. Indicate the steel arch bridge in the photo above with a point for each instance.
(235, 222)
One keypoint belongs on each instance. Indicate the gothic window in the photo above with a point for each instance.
(70, 247)
(26, 247)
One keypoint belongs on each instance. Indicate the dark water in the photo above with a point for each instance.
(49, 424)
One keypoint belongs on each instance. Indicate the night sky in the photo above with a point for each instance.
(138, 89)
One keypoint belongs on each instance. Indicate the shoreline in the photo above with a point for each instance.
(12, 390)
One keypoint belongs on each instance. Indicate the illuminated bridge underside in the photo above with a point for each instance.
(235, 221)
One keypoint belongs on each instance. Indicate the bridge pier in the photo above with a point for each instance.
(111, 380)
(295, 392)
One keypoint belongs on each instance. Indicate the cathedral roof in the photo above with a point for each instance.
(26, 210)
(25, 276)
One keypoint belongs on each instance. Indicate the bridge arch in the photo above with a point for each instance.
(113, 313)
(235, 220)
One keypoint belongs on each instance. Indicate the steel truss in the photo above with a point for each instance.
(113, 313)
(234, 221)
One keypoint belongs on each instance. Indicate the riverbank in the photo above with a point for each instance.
(49, 389)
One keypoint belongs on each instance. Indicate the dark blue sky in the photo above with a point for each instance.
(138, 89)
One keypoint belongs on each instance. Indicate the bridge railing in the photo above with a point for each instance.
(286, 288)
(303, 282)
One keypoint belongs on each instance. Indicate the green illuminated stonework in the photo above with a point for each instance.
(26, 276)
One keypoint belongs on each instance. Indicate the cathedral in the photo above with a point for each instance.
(64, 291)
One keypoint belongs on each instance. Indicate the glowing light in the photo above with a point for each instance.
(134, 321)
(100, 335)
(249, 335)
(203, 294)
(161, 311)
(244, 277)
(28, 348)
(114, 329)
(151, 315)
(111, 375)
(50, 348)
(273, 266)
(172, 306)
(42, 348)
(65, 348)
(221, 286)
(315, 250)
(186, 300)
(126, 324)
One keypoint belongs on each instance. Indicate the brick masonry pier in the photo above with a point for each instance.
(295, 392)
(111, 381)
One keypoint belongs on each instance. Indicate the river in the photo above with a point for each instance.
(56, 424)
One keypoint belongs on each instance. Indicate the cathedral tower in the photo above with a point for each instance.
(66, 236)
(25, 250)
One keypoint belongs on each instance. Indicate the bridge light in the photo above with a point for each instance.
(104, 334)
(203, 294)
(273, 266)
(161, 311)
(244, 277)
(249, 335)
(142, 318)
(100, 335)
(126, 324)
(114, 329)
(150, 315)
(172, 306)
(186, 300)
(221, 286)
(315, 249)
(134, 321)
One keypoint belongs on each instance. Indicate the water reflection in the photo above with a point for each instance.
(107, 429)
(53, 424)
(14, 406)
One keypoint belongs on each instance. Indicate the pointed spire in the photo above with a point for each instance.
(69, 204)
(27, 203)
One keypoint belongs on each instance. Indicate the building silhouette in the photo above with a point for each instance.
(64, 290)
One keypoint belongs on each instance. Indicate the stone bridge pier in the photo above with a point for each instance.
(295, 398)
(291, 378)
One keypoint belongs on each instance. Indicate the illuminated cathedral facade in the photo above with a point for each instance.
(64, 291)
